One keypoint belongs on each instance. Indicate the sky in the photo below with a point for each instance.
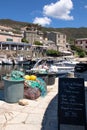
(47, 13)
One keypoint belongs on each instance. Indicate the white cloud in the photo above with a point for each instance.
(59, 10)
(42, 21)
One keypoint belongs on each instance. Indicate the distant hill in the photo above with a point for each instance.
(12, 23)
(72, 33)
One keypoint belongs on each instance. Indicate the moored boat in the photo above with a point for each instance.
(44, 65)
(4, 60)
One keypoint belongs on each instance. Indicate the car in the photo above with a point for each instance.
(80, 67)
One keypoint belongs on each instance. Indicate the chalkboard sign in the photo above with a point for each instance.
(71, 101)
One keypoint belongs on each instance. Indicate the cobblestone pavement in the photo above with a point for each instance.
(40, 114)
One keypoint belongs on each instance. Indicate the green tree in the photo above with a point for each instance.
(81, 54)
(24, 40)
(38, 43)
(53, 53)
(79, 51)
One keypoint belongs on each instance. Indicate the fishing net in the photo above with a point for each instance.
(15, 76)
(39, 83)
(32, 93)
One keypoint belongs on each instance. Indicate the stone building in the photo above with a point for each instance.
(58, 38)
(81, 42)
(31, 34)
(6, 34)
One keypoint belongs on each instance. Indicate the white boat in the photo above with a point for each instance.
(5, 61)
(70, 63)
(66, 62)
(61, 69)
(1, 58)
(20, 60)
(64, 65)
(42, 66)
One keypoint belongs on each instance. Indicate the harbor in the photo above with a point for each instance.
(43, 65)
(40, 114)
(37, 114)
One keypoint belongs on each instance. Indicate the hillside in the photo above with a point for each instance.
(11, 23)
(72, 33)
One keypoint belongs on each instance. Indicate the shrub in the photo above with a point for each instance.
(38, 43)
(24, 40)
(79, 51)
(81, 54)
(53, 53)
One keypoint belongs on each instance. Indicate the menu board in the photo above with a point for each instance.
(71, 101)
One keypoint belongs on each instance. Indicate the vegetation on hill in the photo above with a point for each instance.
(13, 24)
(74, 33)
(71, 33)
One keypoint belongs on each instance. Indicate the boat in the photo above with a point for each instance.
(20, 60)
(7, 61)
(1, 58)
(61, 70)
(80, 70)
(32, 65)
(70, 62)
(4, 60)
(81, 67)
(46, 65)
(66, 62)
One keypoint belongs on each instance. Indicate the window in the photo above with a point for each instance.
(9, 39)
(63, 41)
(64, 36)
(58, 35)
(58, 41)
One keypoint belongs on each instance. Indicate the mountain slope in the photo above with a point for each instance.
(71, 33)
(12, 23)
